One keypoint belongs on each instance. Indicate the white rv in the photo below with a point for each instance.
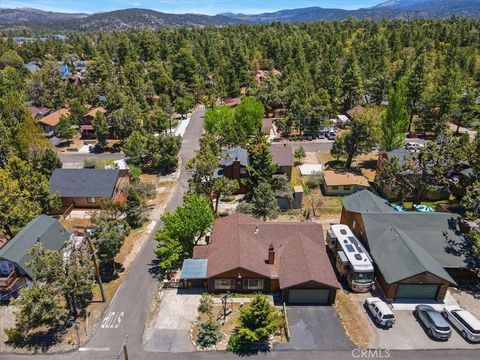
(352, 260)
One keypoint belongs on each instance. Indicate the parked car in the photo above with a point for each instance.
(380, 311)
(321, 135)
(467, 324)
(413, 146)
(437, 326)
(331, 135)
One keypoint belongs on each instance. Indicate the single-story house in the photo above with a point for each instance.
(283, 157)
(403, 157)
(416, 255)
(86, 126)
(343, 183)
(49, 122)
(87, 188)
(32, 66)
(38, 112)
(356, 110)
(15, 271)
(245, 254)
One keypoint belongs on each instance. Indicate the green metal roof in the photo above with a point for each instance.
(366, 201)
(398, 257)
(43, 229)
(434, 240)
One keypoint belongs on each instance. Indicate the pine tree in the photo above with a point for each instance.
(395, 122)
(264, 203)
(352, 83)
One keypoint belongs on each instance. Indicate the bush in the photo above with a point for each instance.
(209, 333)
(244, 208)
(14, 335)
(206, 304)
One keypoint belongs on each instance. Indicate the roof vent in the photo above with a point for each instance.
(358, 256)
(256, 229)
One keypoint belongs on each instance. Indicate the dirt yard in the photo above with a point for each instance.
(353, 320)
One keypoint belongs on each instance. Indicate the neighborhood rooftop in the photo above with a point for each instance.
(43, 229)
(234, 154)
(84, 182)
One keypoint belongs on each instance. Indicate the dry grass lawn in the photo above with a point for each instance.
(351, 319)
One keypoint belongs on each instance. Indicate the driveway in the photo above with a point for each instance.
(314, 328)
(409, 334)
(171, 332)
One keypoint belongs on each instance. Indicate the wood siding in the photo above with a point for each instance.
(389, 290)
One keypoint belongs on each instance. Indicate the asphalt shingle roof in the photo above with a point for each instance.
(44, 229)
(366, 201)
(236, 153)
(241, 241)
(398, 257)
(432, 236)
(84, 182)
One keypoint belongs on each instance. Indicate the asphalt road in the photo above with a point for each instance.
(310, 146)
(127, 311)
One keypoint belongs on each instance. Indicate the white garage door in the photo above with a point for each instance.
(309, 296)
(414, 291)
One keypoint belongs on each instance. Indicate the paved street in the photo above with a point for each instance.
(315, 145)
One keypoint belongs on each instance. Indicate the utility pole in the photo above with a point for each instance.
(95, 264)
(123, 349)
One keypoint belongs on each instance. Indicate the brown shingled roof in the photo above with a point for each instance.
(359, 109)
(241, 241)
(53, 118)
(338, 178)
(94, 111)
(282, 155)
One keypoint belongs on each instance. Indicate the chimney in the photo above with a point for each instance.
(271, 255)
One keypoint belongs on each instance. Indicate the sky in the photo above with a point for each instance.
(210, 7)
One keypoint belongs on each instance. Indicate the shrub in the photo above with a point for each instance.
(244, 208)
(206, 304)
(14, 335)
(209, 333)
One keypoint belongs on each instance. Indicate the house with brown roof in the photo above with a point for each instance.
(343, 182)
(356, 110)
(49, 122)
(86, 127)
(283, 157)
(38, 112)
(245, 254)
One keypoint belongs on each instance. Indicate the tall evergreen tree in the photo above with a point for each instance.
(395, 122)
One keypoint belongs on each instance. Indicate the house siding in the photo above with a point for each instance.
(329, 190)
(245, 274)
(389, 290)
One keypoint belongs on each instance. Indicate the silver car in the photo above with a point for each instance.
(467, 324)
(437, 326)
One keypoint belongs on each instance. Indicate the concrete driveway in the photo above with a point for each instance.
(171, 332)
(314, 328)
(409, 334)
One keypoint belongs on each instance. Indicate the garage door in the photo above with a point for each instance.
(309, 296)
(408, 291)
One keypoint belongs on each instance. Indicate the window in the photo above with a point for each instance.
(91, 200)
(346, 188)
(334, 187)
(243, 170)
(224, 284)
(253, 284)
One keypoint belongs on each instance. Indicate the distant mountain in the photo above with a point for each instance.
(40, 18)
(445, 7)
(113, 20)
(149, 19)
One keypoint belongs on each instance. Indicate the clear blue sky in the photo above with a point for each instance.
(184, 6)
